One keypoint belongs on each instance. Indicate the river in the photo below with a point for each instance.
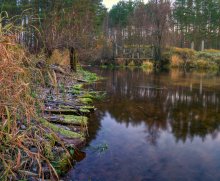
(153, 127)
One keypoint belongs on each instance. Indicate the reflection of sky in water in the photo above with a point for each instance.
(158, 135)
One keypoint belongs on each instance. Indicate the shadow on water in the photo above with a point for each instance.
(157, 126)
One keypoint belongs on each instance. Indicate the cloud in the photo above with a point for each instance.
(110, 3)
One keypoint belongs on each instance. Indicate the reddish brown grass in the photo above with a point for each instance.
(17, 107)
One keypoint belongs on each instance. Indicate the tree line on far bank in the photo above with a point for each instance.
(163, 23)
(89, 31)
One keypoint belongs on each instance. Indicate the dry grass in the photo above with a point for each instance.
(25, 149)
(176, 61)
(59, 57)
(14, 79)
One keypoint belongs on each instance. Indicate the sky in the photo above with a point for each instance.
(110, 3)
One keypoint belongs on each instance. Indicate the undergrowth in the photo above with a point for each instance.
(26, 150)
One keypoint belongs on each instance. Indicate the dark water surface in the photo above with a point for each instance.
(154, 127)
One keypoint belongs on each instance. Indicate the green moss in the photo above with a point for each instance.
(77, 87)
(88, 76)
(85, 100)
(76, 92)
(94, 95)
(65, 107)
(48, 151)
(70, 119)
(104, 66)
(88, 107)
(62, 164)
(100, 95)
(61, 111)
(84, 110)
(87, 95)
(62, 131)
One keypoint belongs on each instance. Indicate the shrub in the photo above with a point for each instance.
(184, 53)
(214, 57)
(131, 64)
(205, 55)
(120, 62)
(176, 61)
(212, 51)
(147, 64)
(205, 64)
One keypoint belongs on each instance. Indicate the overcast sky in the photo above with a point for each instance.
(110, 3)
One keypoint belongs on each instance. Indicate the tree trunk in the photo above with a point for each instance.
(203, 45)
(157, 53)
(73, 59)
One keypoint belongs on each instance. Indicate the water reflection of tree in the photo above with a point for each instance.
(185, 103)
(94, 125)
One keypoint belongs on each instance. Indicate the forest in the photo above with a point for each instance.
(104, 35)
(66, 66)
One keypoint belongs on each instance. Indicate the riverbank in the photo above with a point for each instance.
(44, 113)
(172, 57)
(67, 106)
(187, 58)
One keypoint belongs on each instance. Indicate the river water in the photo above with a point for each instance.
(153, 127)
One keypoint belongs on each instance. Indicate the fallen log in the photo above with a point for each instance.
(61, 111)
(68, 119)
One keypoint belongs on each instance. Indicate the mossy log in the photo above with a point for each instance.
(69, 105)
(85, 100)
(61, 111)
(62, 131)
(68, 120)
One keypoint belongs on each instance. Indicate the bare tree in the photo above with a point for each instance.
(71, 28)
(159, 12)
